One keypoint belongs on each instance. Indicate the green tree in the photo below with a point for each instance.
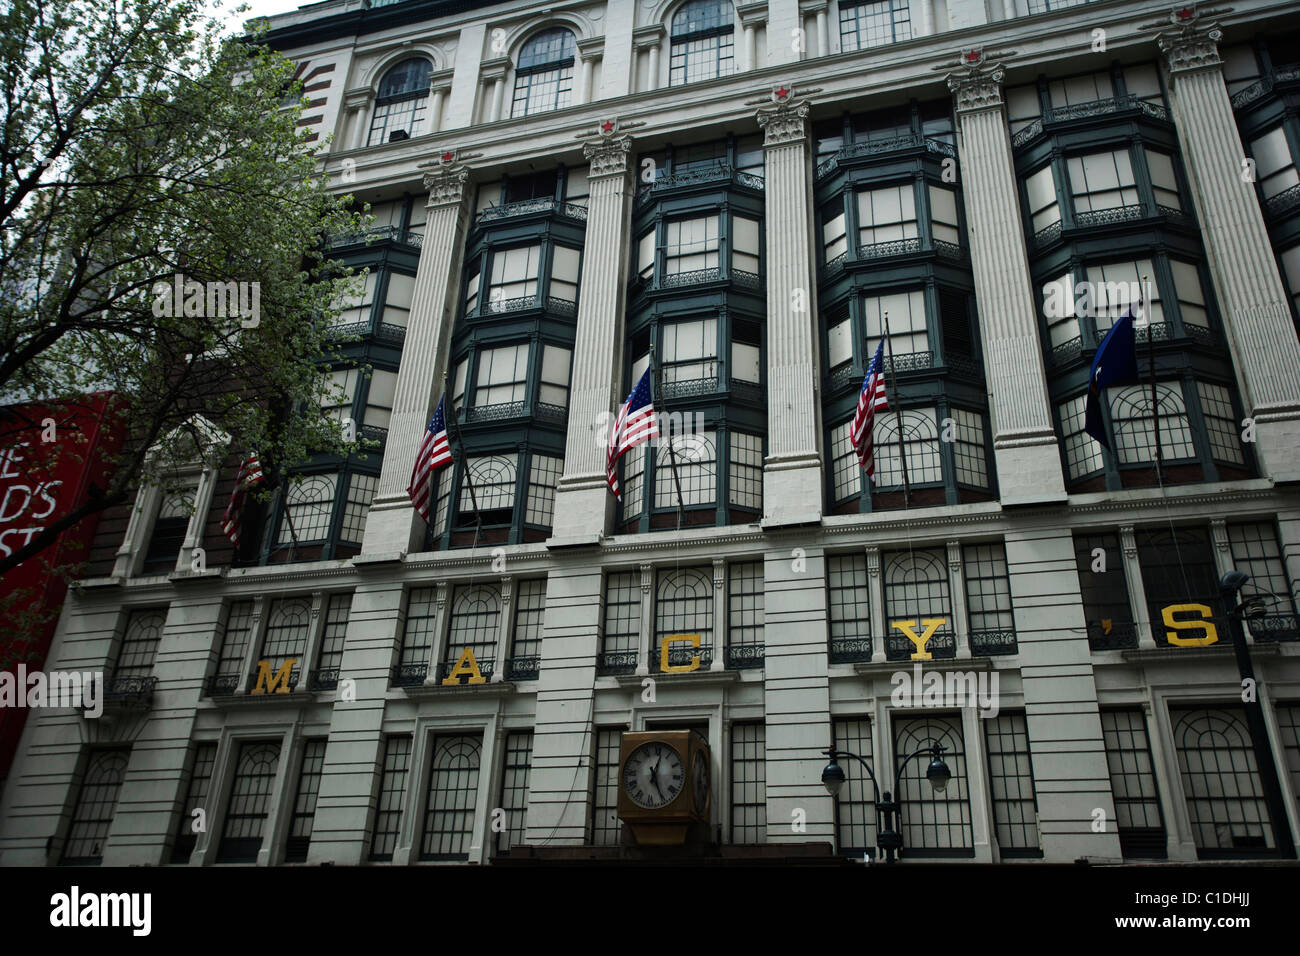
(137, 145)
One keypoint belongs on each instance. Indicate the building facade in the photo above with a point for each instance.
(755, 195)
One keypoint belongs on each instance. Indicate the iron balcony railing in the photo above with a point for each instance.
(616, 662)
(523, 668)
(719, 172)
(1274, 628)
(134, 691)
(850, 650)
(486, 667)
(323, 679)
(1111, 635)
(376, 234)
(1076, 111)
(529, 207)
(681, 655)
(552, 304)
(991, 643)
(742, 656)
(222, 685)
(941, 646)
(880, 147)
(409, 675)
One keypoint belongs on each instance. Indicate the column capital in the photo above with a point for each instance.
(608, 147)
(1219, 532)
(647, 577)
(954, 556)
(976, 84)
(752, 14)
(783, 115)
(1189, 38)
(446, 176)
(648, 36)
(591, 48)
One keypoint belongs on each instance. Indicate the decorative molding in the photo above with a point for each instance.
(1219, 532)
(719, 573)
(783, 115)
(609, 153)
(647, 577)
(976, 84)
(1189, 38)
(591, 48)
(873, 561)
(1128, 541)
(446, 177)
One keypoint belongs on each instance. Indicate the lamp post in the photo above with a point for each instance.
(888, 839)
(1229, 585)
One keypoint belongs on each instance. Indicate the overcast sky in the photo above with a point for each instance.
(257, 8)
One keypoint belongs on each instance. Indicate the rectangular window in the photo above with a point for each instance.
(690, 354)
(1011, 779)
(1225, 802)
(1100, 181)
(250, 801)
(988, 590)
(514, 789)
(1082, 453)
(1080, 89)
(1163, 181)
(475, 624)
(865, 25)
(943, 215)
(543, 475)
(337, 610)
(1104, 589)
(1220, 423)
(704, 58)
(846, 477)
(234, 642)
(1117, 286)
(916, 589)
(1191, 295)
(304, 801)
(417, 636)
(692, 246)
(443, 503)
(564, 274)
(969, 449)
(1130, 414)
(356, 308)
(286, 636)
(139, 648)
(839, 343)
(887, 214)
(605, 825)
(308, 507)
(834, 241)
(684, 606)
(379, 399)
(578, 188)
(101, 784)
(1274, 166)
(1023, 106)
(746, 471)
(645, 255)
(502, 375)
(746, 356)
(909, 341)
(472, 285)
(855, 811)
(622, 622)
(1256, 552)
(361, 492)
(1144, 83)
(920, 426)
(1058, 308)
(397, 301)
(633, 462)
(696, 459)
(514, 278)
(1044, 210)
(934, 824)
(745, 614)
(555, 376)
(1178, 568)
(1138, 819)
(168, 535)
(494, 479)
(1288, 720)
(196, 797)
(392, 791)
(453, 788)
(744, 245)
(530, 611)
(748, 783)
(848, 604)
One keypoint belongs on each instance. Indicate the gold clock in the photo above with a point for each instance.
(663, 785)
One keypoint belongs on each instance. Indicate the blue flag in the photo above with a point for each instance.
(1114, 364)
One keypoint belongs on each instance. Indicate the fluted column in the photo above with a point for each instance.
(1243, 269)
(393, 524)
(1024, 441)
(792, 471)
(583, 503)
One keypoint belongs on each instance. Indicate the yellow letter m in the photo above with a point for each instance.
(279, 684)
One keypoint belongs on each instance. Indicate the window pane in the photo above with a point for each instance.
(392, 790)
(1130, 411)
(748, 784)
(696, 459)
(746, 471)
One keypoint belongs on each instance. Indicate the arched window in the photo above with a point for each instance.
(544, 73)
(401, 101)
(703, 42)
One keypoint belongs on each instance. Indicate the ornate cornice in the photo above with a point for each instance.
(1189, 38)
(976, 84)
(783, 115)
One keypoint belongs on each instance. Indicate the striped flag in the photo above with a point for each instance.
(635, 424)
(435, 451)
(871, 400)
(249, 476)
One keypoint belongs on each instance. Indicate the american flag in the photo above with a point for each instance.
(249, 475)
(435, 451)
(635, 423)
(870, 401)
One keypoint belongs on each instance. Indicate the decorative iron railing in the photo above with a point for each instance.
(131, 690)
(687, 388)
(294, 677)
(1119, 634)
(1108, 217)
(323, 679)
(850, 650)
(616, 662)
(409, 675)
(883, 250)
(681, 655)
(941, 646)
(523, 668)
(486, 666)
(742, 656)
(1047, 234)
(990, 643)
(695, 277)
(496, 413)
(545, 412)
(1284, 201)
(719, 172)
(748, 393)
(880, 147)
(373, 235)
(1274, 628)
(222, 685)
(1257, 89)
(528, 207)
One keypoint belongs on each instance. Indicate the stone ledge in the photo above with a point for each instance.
(703, 676)
(489, 689)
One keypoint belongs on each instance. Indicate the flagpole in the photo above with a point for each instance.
(672, 454)
(1151, 364)
(469, 478)
(898, 412)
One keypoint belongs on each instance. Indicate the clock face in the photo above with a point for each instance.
(700, 783)
(653, 775)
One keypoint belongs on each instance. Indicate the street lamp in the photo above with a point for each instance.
(1229, 585)
(888, 839)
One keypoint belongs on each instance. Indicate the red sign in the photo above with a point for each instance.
(50, 456)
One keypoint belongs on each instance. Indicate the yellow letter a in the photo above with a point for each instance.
(466, 665)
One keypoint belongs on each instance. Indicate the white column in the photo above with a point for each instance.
(1136, 593)
(957, 595)
(1008, 9)
(719, 614)
(393, 524)
(645, 622)
(653, 76)
(584, 84)
(792, 472)
(438, 644)
(1252, 300)
(583, 502)
(751, 49)
(879, 626)
(435, 109)
(927, 17)
(498, 94)
(199, 519)
(823, 35)
(504, 630)
(978, 785)
(315, 631)
(1024, 440)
